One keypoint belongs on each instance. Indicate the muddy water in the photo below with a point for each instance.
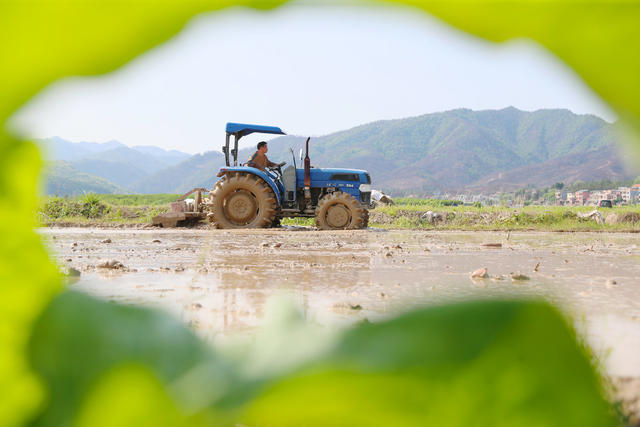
(218, 281)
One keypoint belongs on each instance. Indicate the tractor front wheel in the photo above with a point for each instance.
(242, 201)
(340, 211)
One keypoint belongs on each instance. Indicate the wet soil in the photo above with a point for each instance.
(218, 281)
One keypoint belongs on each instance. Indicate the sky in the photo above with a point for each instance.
(309, 69)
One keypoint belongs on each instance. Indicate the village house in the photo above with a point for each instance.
(625, 194)
(596, 196)
(582, 197)
(634, 194)
(561, 198)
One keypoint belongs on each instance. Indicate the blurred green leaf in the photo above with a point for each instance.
(40, 42)
(480, 363)
(476, 363)
(130, 395)
(78, 339)
(28, 279)
(506, 363)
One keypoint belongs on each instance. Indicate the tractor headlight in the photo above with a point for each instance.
(365, 193)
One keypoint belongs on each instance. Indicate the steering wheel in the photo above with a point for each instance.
(278, 167)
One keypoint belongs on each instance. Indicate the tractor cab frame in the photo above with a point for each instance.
(237, 131)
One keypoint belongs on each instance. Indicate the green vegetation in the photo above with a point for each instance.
(73, 360)
(540, 218)
(138, 199)
(433, 203)
(103, 209)
(407, 213)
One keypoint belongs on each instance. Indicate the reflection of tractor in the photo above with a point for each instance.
(247, 197)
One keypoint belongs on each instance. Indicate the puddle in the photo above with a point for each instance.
(218, 281)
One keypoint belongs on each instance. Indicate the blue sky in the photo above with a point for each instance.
(309, 69)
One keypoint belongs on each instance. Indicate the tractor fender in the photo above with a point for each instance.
(257, 172)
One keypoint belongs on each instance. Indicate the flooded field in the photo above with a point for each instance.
(218, 282)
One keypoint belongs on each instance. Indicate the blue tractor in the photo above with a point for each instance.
(246, 197)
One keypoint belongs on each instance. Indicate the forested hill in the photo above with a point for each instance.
(464, 149)
(454, 150)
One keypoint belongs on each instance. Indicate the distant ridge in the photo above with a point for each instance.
(460, 149)
(109, 167)
(64, 180)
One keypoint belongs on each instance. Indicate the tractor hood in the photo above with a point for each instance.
(321, 177)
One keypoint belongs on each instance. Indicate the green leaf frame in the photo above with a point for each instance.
(44, 41)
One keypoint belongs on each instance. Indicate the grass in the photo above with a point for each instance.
(137, 199)
(114, 209)
(102, 209)
(544, 218)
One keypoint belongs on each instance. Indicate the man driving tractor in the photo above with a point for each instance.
(259, 159)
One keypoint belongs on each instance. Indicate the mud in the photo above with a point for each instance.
(218, 281)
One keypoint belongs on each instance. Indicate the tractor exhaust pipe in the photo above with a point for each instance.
(307, 173)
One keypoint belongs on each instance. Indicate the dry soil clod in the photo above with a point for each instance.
(519, 276)
(111, 264)
(492, 245)
(481, 273)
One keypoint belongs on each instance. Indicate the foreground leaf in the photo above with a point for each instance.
(130, 395)
(28, 279)
(40, 42)
(477, 363)
(79, 339)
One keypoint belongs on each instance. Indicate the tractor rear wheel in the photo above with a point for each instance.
(242, 201)
(339, 211)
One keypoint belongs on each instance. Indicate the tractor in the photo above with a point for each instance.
(246, 197)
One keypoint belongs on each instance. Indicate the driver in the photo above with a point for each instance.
(259, 159)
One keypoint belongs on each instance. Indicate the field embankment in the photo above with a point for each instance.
(137, 211)
(107, 210)
(429, 214)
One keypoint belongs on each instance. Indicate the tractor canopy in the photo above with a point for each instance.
(238, 130)
(242, 129)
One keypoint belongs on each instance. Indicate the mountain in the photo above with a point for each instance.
(63, 180)
(113, 162)
(170, 157)
(56, 148)
(198, 171)
(454, 150)
(464, 149)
